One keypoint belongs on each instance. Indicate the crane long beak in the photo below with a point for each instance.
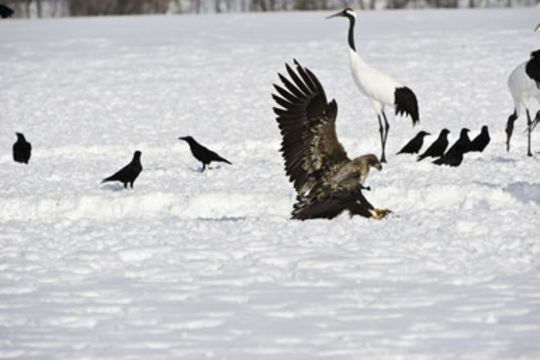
(340, 14)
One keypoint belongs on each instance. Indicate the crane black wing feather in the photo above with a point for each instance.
(406, 103)
(533, 67)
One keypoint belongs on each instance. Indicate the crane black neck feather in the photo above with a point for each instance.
(351, 31)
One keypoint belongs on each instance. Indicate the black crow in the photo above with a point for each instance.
(22, 149)
(454, 155)
(415, 144)
(438, 147)
(128, 173)
(5, 12)
(201, 153)
(326, 180)
(481, 141)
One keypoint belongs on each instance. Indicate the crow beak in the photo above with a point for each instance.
(337, 15)
(182, 138)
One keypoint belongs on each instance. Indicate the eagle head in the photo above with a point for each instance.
(363, 163)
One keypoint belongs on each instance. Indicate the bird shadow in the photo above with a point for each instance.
(524, 191)
(155, 168)
(223, 219)
(500, 159)
(486, 184)
(197, 170)
(113, 187)
(208, 168)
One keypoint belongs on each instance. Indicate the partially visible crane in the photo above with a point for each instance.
(524, 85)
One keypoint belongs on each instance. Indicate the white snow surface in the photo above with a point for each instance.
(192, 265)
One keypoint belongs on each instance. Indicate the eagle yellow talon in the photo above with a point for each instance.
(380, 213)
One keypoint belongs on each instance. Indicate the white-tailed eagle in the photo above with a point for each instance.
(327, 182)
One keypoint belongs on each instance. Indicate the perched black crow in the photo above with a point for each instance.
(454, 156)
(415, 144)
(5, 12)
(201, 153)
(22, 149)
(128, 173)
(326, 180)
(481, 141)
(438, 147)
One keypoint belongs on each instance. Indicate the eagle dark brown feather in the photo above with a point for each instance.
(307, 124)
(325, 179)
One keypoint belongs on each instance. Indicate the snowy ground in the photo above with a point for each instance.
(193, 266)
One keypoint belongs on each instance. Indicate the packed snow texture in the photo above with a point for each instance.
(192, 265)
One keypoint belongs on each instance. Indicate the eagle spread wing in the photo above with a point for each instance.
(326, 180)
(307, 122)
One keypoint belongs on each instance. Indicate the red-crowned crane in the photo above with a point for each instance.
(524, 85)
(382, 89)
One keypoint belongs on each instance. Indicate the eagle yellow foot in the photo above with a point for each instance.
(380, 213)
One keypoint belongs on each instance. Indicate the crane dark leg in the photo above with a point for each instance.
(510, 128)
(386, 130)
(529, 122)
(381, 132)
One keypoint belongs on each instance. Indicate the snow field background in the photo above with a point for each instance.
(191, 265)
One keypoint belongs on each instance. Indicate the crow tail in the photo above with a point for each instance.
(224, 160)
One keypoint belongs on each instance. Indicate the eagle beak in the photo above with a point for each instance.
(341, 14)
